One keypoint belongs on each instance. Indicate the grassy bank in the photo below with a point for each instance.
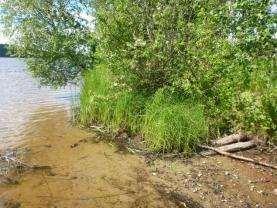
(164, 120)
(174, 75)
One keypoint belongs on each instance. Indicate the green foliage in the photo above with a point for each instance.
(53, 36)
(96, 87)
(174, 70)
(166, 120)
(173, 124)
(217, 53)
(103, 100)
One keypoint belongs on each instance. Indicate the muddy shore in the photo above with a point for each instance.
(87, 172)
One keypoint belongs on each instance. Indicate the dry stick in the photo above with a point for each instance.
(238, 157)
(230, 139)
(16, 161)
(232, 147)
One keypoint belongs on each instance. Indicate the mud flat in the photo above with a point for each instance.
(83, 173)
(86, 172)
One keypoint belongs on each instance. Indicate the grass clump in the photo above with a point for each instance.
(166, 121)
(173, 124)
(103, 101)
(95, 103)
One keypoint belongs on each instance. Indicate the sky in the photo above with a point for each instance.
(3, 39)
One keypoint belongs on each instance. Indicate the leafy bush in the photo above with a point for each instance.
(172, 124)
(217, 53)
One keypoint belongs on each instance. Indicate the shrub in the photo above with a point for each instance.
(173, 124)
(205, 68)
(219, 53)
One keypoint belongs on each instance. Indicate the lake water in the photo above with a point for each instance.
(21, 96)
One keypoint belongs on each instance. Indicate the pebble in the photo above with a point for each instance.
(275, 192)
(260, 192)
(195, 190)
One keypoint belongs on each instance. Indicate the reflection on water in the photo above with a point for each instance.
(21, 96)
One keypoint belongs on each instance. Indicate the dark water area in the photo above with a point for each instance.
(21, 96)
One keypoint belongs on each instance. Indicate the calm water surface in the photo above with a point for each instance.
(21, 97)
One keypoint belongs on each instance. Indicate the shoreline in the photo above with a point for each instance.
(84, 159)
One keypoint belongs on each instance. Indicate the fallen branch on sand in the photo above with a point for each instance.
(15, 161)
(237, 157)
(23, 164)
(230, 139)
(239, 146)
(98, 128)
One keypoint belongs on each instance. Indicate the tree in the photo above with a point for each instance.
(219, 53)
(54, 36)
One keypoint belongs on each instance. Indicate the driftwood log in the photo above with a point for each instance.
(237, 157)
(230, 139)
(232, 147)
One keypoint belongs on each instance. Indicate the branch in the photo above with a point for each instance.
(239, 157)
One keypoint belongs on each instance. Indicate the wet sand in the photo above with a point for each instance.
(83, 173)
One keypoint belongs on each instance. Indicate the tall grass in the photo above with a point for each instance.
(166, 121)
(94, 97)
(173, 124)
(102, 101)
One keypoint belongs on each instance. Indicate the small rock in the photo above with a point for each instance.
(275, 192)
(195, 190)
(74, 145)
(252, 188)
(260, 191)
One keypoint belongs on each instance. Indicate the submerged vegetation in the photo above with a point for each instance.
(175, 72)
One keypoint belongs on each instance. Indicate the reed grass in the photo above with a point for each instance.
(165, 121)
(173, 124)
